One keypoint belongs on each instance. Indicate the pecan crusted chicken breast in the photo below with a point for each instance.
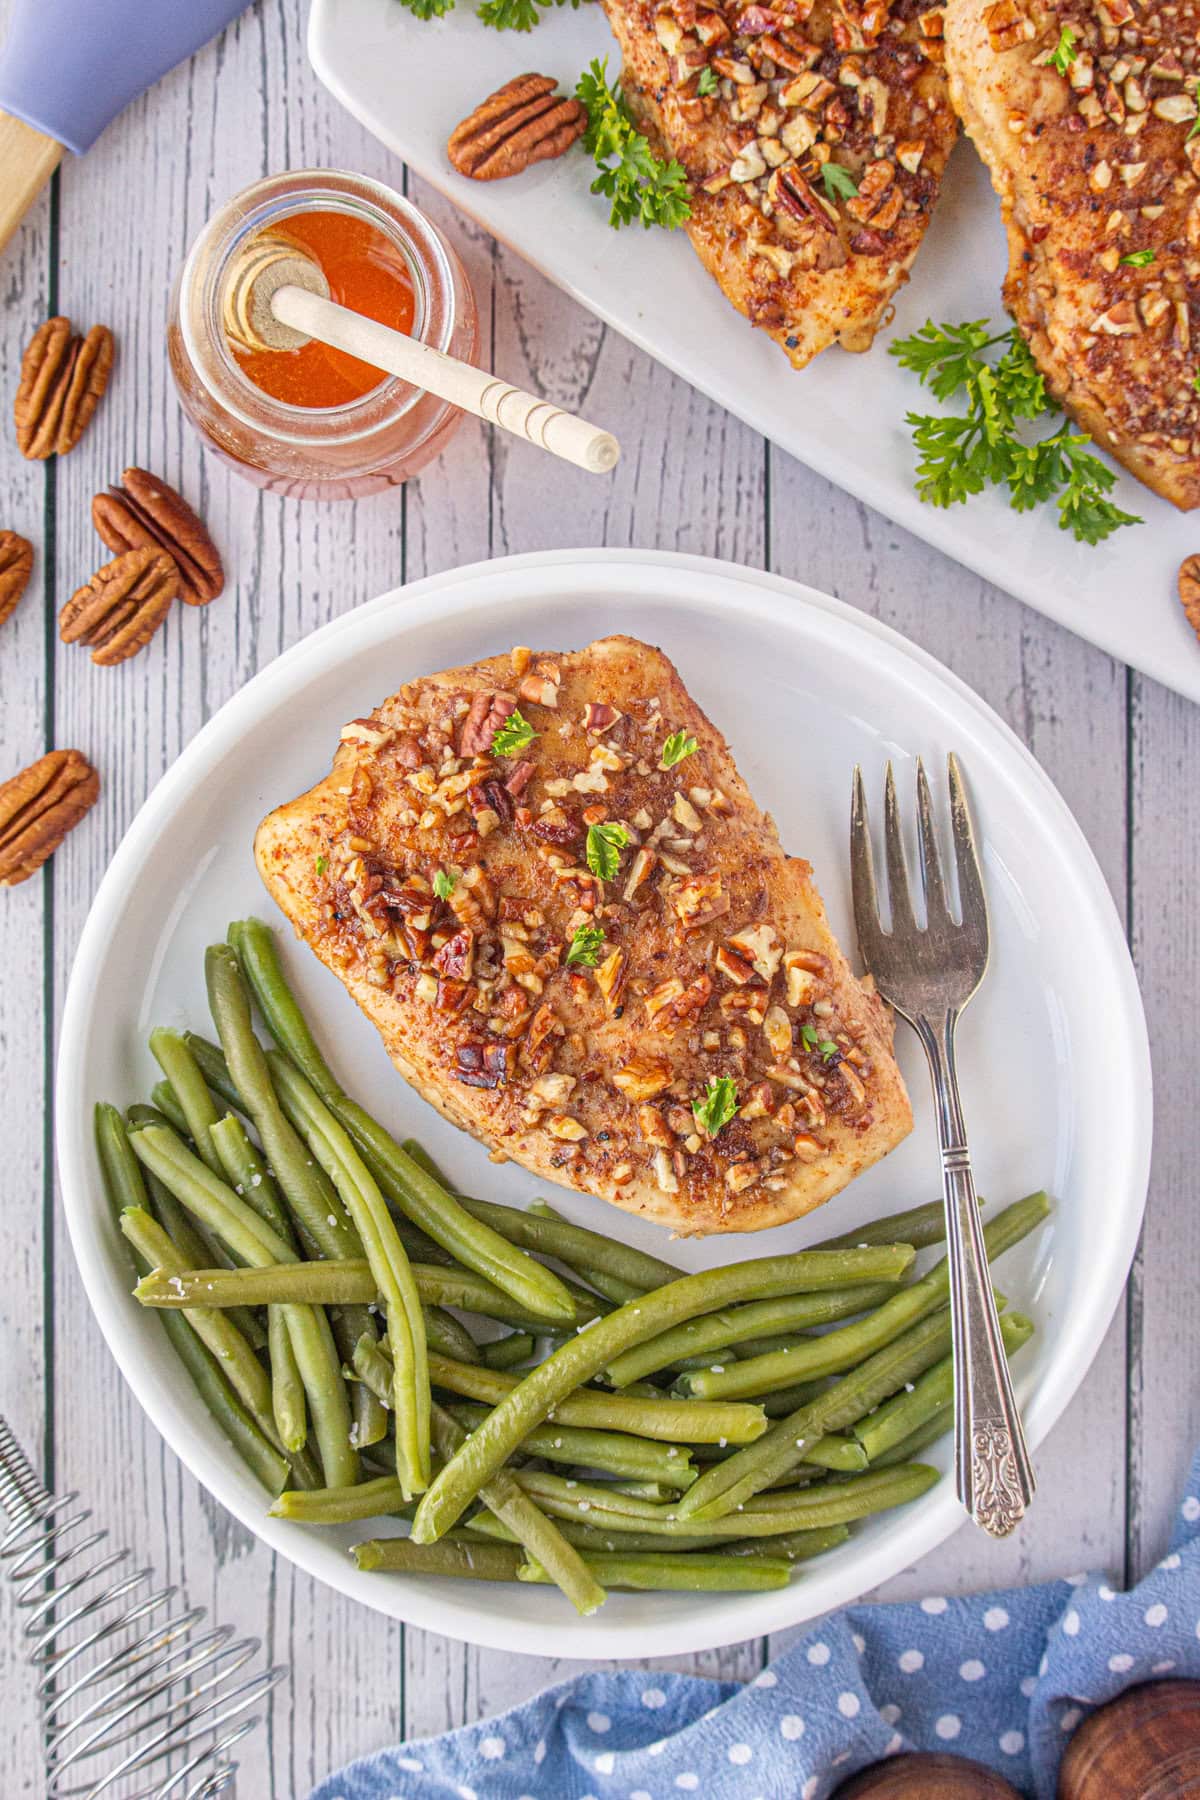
(813, 136)
(1086, 117)
(545, 882)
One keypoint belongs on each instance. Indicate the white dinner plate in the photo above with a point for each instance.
(805, 688)
(410, 82)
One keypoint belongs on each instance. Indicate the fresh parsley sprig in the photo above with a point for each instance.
(429, 9)
(812, 1039)
(838, 182)
(444, 883)
(1064, 52)
(604, 846)
(959, 454)
(583, 952)
(514, 735)
(718, 1105)
(638, 185)
(675, 748)
(515, 15)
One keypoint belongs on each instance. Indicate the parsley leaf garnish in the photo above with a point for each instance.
(322, 864)
(839, 182)
(630, 175)
(585, 947)
(516, 15)
(515, 734)
(677, 746)
(1196, 382)
(959, 454)
(604, 846)
(718, 1106)
(707, 83)
(1064, 51)
(444, 884)
(813, 1040)
(429, 9)
(1192, 133)
(1139, 259)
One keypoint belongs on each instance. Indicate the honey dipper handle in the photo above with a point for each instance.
(28, 159)
(475, 390)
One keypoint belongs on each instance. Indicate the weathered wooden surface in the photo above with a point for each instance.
(107, 246)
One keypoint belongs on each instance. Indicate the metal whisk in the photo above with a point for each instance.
(129, 1683)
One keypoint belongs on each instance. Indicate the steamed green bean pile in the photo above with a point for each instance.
(538, 1402)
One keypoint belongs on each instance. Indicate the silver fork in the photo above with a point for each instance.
(928, 973)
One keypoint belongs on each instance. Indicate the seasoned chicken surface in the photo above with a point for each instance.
(754, 101)
(567, 944)
(1085, 115)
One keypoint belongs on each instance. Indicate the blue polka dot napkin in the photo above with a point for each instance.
(1002, 1677)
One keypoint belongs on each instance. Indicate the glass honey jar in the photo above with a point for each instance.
(314, 421)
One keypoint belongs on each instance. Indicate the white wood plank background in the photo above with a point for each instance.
(105, 245)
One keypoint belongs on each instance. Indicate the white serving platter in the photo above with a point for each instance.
(410, 82)
(805, 687)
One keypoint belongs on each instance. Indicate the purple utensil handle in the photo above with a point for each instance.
(70, 66)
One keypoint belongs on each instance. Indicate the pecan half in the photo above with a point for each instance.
(37, 809)
(16, 566)
(122, 606)
(144, 513)
(523, 122)
(1189, 591)
(63, 377)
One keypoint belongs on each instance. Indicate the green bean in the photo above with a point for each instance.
(574, 1245)
(661, 1418)
(419, 1196)
(247, 1174)
(541, 1538)
(786, 1400)
(332, 1283)
(198, 1247)
(840, 1454)
(453, 1556)
(640, 1490)
(617, 1452)
(125, 1188)
(471, 1292)
(239, 1226)
(190, 1089)
(166, 1101)
(727, 1485)
(386, 1255)
(506, 1352)
(613, 1287)
(287, 1390)
(237, 1159)
(935, 1427)
(920, 1226)
(309, 1192)
(896, 1421)
(718, 1330)
(692, 1574)
(240, 1366)
(599, 1537)
(343, 1504)
(842, 1349)
(444, 1334)
(593, 1349)
(828, 1503)
(794, 1546)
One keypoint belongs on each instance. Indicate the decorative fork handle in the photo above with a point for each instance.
(993, 1475)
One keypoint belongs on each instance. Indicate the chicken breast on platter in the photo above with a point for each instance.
(543, 879)
(813, 136)
(1086, 117)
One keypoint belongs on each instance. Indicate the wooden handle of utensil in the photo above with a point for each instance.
(475, 390)
(27, 161)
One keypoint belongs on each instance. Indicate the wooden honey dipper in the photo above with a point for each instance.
(276, 298)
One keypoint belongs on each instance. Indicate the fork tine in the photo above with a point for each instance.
(862, 871)
(936, 910)
(971, 896)
(903, 920)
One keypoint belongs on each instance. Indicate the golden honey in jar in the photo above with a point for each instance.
(315, 420)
